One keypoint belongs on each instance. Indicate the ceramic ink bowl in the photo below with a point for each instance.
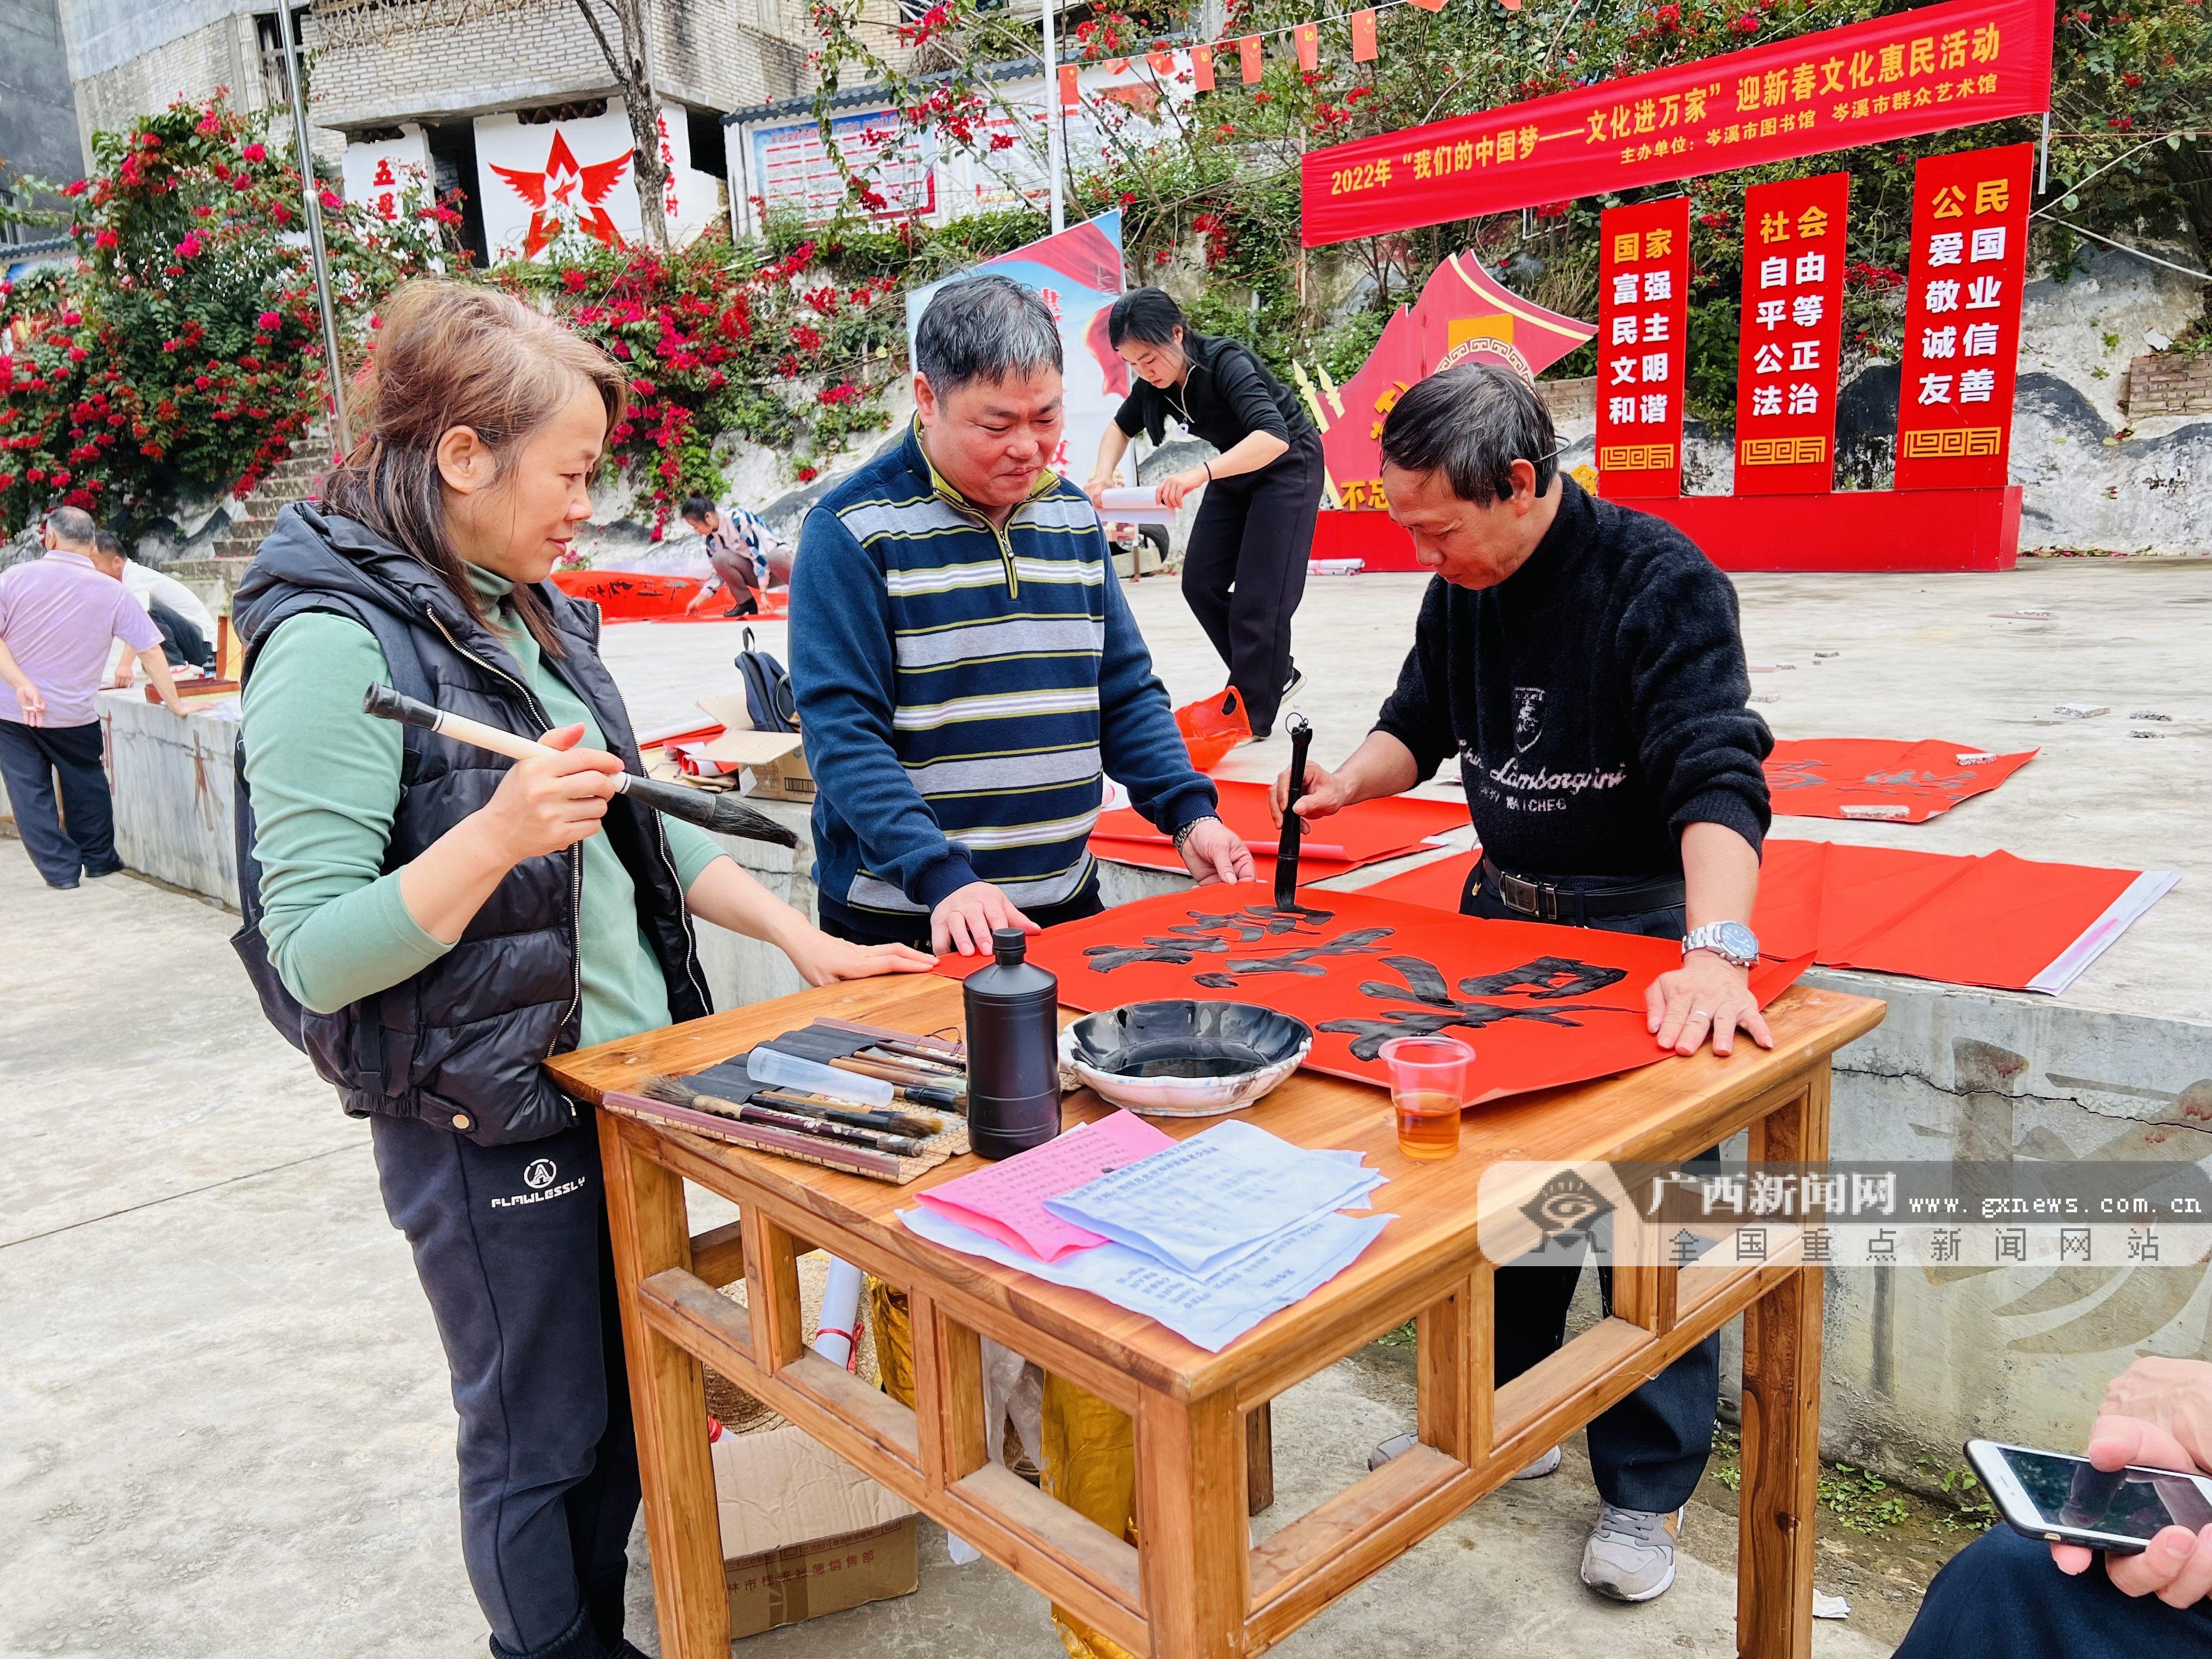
(1184, 1059)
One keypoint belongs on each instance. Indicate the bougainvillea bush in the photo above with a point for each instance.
(786, 353)
(181, 354)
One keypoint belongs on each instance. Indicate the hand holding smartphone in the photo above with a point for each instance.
(2066, 1499)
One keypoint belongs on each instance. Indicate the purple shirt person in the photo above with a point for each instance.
(58, 617)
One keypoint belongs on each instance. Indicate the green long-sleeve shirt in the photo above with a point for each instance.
(325, 783)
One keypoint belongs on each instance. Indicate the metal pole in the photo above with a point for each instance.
(2043, 180)
(311, 193)
(1052, 117)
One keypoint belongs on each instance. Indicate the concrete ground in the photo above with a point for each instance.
(224, 1426)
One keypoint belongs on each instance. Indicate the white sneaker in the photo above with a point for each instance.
(1630, 1553)
(1548, 1464)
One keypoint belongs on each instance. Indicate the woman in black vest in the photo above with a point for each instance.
(430, 922)
(1244, 571)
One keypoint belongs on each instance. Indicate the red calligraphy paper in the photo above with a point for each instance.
(1880, 778)
(1953, 64)
(1211, 726)
(1367, 833)
(2009, 923)
(1791, 335)
(2006, 922)
(1962, 317)
(1541, 1006)
(1644, 303)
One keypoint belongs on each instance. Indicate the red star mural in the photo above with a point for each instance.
(553, 194)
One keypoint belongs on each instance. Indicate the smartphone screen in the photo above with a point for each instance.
(2068, 1492)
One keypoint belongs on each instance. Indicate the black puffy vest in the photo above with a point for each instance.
(462, 1042)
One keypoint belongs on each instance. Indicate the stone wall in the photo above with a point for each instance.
(376, 65)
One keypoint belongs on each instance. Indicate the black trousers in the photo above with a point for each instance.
(181, 642)
(511, 1246)
(58, 790)
(1647, 1452)
(856, 927)
(1244, 571)
(2002, 1598)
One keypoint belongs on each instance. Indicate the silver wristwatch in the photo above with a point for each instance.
(1731, 941)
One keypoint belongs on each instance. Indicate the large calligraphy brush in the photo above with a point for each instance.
(1286, 849)
(724, 813)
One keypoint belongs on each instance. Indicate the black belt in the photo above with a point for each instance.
(1544, 901)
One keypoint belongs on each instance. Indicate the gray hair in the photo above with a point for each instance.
(72, 525)
(984, 328)
(1472, 423)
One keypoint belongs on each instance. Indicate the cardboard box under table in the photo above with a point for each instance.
(1192, 1589)
(802, 1532)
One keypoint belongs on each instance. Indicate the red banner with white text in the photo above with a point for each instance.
(1963, 285)
(1790, 336)
(1642, 315)
(1953, 64)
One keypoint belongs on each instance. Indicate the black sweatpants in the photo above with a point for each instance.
(1244, 571)
(182, 641)
(59, 790)
(510, 1245)
(1647, 1452)
(2002, 1597)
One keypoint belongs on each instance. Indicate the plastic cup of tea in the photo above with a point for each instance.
(1428, 1087)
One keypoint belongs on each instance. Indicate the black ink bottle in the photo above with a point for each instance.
(1013, 1050)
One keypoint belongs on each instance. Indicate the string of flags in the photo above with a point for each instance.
(1250, 50)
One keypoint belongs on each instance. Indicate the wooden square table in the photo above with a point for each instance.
(1192, 1589)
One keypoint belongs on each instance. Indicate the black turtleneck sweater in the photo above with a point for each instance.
(1595, 698)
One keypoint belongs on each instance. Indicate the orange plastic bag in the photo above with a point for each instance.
(1211, 726)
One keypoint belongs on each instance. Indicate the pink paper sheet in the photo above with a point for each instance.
(1005, 1202)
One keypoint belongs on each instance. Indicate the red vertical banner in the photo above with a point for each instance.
(1307, 37)
(1201, 69)
(1247, 60)
(1962, 317)
(1363, 37)
(1792, 331)
(1070, 95)
(1644, 278)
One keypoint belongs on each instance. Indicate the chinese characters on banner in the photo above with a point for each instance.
(1791, 333)
(1643, 300)
(1962, 317)
(1953, 64)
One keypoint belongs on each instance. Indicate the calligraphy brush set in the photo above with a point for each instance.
(858, 1098)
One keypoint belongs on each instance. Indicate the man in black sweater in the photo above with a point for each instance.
(1584, 663)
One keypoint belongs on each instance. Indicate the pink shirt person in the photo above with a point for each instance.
(58, 615)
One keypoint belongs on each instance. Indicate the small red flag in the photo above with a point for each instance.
(1363, 37)
(1070, 96)
(1429, 5)
(1248, 55)
(1308, 37)
(1162, 62)
(1201, 68)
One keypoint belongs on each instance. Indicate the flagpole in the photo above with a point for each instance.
(312, 193)
(1052, 115)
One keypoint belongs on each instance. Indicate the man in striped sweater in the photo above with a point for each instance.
(966, 669)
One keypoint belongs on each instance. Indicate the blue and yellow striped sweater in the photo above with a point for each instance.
(961, 690)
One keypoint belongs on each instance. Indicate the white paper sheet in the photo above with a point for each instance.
(1210, 1312)
(1135, 505)
(1206, 1203)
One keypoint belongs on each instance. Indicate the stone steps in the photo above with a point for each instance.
(229, 554)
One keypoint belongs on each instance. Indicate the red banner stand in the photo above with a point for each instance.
(1925, 529)
(1851, 529)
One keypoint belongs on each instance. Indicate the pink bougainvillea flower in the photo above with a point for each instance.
(269, 322)
(254, 153)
